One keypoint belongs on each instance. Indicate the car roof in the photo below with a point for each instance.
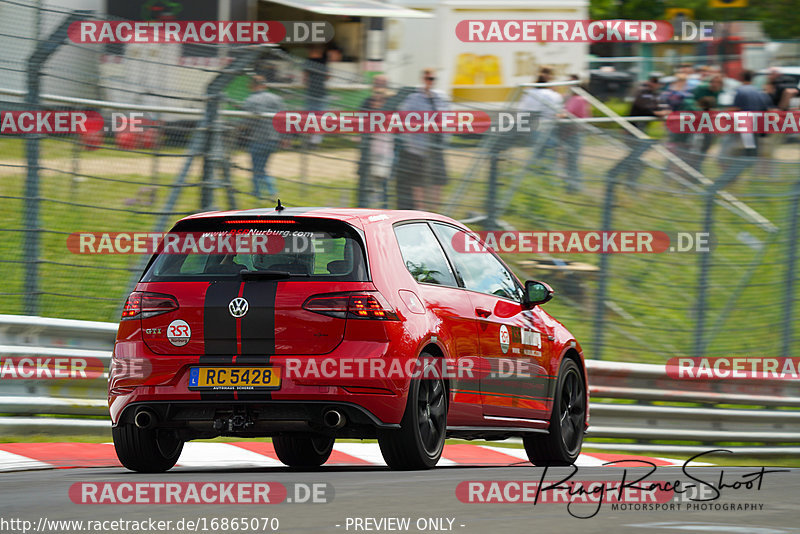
(363, 217)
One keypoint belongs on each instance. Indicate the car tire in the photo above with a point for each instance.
(303, 451)
(146, 451)
(419, 442)
(567, 421)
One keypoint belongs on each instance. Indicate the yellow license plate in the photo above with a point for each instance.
(234, 378)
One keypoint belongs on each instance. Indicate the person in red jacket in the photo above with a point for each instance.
(572, 136)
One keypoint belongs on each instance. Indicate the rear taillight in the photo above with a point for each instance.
(333, 305)
(141, 305)
(361, 305)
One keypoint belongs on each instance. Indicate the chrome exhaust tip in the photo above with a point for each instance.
(333, 419)
(145, 419)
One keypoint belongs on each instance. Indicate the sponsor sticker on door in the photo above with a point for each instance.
(530, 337)
(505, 339)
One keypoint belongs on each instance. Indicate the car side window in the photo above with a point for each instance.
(480, 271)
(423, 255)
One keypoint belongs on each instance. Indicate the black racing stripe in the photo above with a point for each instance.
(258, 329)
(258, 326)
(219, 328)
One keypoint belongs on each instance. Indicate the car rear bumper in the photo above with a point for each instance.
(161, 383)
(250, 418)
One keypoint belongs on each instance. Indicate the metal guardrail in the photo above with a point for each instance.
(637, 406)
(54, 406)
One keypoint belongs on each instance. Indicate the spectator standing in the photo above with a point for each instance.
(678, 96)
(543, 101)
(262, 138)
(694, 77)
(710, 89)
(781, 89)
(315, 75)
(376, 149)
(545, 105)
(646, 101)
(572, 135)
(422, 171)
(750, 98)
(706, 96)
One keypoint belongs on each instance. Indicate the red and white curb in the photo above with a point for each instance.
(28, 456)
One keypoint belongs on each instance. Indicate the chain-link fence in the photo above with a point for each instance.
(194, 153)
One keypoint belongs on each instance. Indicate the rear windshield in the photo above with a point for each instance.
(294, 249)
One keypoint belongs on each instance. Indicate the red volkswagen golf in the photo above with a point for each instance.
(311, 324)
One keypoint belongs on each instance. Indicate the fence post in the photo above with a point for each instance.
(31, 212)
(639, 148)
(391, 180)
(730, 174)
(491, 194)
(364, 170)
(209, 157)
(41, 53)
(790, 292)
(602, 282)
(226, 146)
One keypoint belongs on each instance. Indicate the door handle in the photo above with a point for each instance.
(482, 312)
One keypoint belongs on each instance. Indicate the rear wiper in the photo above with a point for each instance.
(269, 275)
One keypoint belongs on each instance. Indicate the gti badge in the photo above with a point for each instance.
(238, 307)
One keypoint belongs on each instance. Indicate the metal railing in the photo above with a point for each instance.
(56, 405)
(641, 407)
(636, 407)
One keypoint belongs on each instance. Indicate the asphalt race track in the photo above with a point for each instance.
(375, 492)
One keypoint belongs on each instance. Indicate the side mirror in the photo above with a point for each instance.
(536, 293)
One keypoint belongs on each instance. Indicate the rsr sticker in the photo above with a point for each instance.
(505, 339)
(179, 332)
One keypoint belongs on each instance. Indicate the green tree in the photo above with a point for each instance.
(627, 9)
(780, 18)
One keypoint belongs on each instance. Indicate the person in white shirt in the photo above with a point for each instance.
(545, 104)
(543, 101)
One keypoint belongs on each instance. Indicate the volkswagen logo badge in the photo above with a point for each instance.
(238, 307)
